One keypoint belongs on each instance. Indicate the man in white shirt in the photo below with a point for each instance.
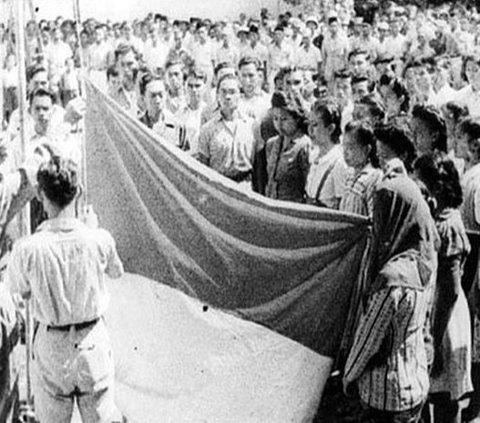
(157, 117)
(280, 55)
(100, 52)
(396, 43)
(155, 52)
(443, 90)
(227, 142)
(175, 83)
(63, 268)
(254, 100)
(191, 116)
(57, 53)
(255, 48)
(202, 51)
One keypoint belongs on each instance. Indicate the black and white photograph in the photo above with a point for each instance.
(224, 211)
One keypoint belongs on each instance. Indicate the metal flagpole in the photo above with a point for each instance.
(25, 213)
(84, 197)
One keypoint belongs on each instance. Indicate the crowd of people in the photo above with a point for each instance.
(375, 115)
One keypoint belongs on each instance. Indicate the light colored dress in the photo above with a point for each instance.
(456, 343)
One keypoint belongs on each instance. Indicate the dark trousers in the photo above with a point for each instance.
(381, 416)
(443, 410)
(473, 409)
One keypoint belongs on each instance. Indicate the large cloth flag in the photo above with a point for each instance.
(235, 305)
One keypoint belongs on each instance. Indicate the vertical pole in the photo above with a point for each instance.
(22, 108)
(84, 198)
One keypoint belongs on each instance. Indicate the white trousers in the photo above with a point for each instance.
(73, 365)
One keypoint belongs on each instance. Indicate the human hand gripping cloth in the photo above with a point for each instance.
(235, 305)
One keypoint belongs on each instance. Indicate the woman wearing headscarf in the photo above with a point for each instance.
(391, 353)
(288, 152)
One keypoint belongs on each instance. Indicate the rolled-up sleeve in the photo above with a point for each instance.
(16, 278)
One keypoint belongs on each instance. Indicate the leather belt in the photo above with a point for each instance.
(76, 326)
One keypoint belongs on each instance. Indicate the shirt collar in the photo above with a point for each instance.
(61, 224)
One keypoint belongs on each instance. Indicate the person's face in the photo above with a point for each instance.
(423, 137)
(359, 90)
(195, 89)
(383, 33)
(41, 111)
(229, 95)
(395, 27)
(423, 80)
(115, 83)
(362, 112)
(284, 122)
(385, 153)
(472, 70)
(175, 77)
(440, 77)
(319, 132)
(279, 36)
(473, 151)
(127, 32)
(39, 80)
(295, 82)
(411, 80)
(287, 34)
(154, 97)
(355, 154)
(99, 35)
(343, 91)
(253, 37)
(56, 35)
(202, 34)
(359, 64)
(461, 145)
(333, 27)
(249, 78)
(128, 67)
(366, 31)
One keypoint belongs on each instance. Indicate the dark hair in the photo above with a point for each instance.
(342, 74)
(123, 49)
(42, 92)
(173, 62)
(466, 59)
(411, 65)
(34, 70)
(470, 127)
(145, 79)
(438, 172)
(398, 139)
(222, 65)
(112, 71)
(249, 60)
(374, 104)
(358, 52)
(365, 136)
(225, 77)
(432, 117)
(294, 106)
(400, 90)
(58, 179)
(329, 111)
(197, 73)
(458, 110)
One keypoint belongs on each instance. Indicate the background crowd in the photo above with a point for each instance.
(376, 115)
